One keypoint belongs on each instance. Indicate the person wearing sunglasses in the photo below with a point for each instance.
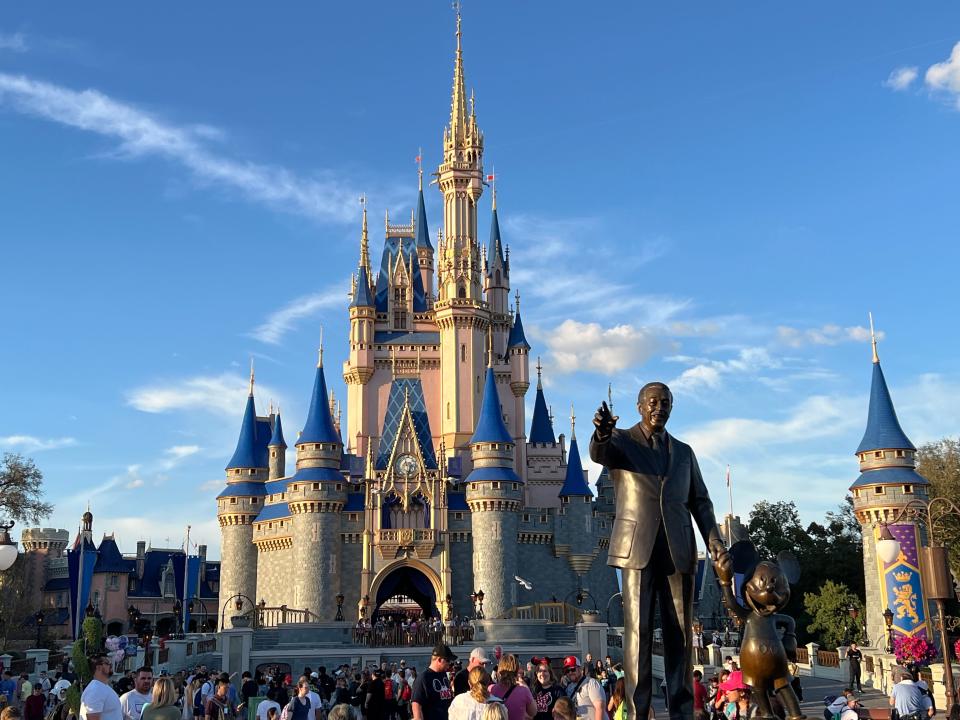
(99, 701)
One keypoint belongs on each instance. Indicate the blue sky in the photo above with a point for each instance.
(711, 195)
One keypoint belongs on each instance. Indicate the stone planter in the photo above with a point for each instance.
(590, 616)
(240, 621)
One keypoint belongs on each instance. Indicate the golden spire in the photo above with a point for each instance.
(873, 340)
(458, 103)
(573, 424)
(539, 376)
(364, 239)
(251, 376)
(320, 350)
(493, 185)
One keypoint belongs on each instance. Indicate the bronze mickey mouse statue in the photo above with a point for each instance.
(764, 654)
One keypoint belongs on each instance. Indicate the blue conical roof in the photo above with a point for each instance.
(574, 483)
(420, 230)
(319, 427)
(276, 440)
(361, 295)
(541, 429)
(490, 425)
(246, 454)
(517, 338)
(495, 246)
(883, 429)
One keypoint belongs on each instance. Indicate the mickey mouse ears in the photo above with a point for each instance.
(746, 558)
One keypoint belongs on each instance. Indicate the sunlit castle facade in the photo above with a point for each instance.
(436, 485)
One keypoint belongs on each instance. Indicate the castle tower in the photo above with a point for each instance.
(278, 450)
(494, 494)
(461, 311)
(496, 281)
(40, 546)
(577, 540)
(239, 503)
(888, 481)
(518, 353)
(421, 233)
(316, 495)
(545, 455)
(359, 368)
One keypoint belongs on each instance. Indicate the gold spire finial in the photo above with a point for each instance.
(270, 408)
(458, 109)
(573, 423)
(320, 349)
(420, 167)
(364, 238)
(873, 339)
(517, 298)
(493, 185)
(251, 376)
(539, 374)
(490, 345)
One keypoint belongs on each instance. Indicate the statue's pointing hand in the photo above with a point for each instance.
(605, 421)
(722, 562)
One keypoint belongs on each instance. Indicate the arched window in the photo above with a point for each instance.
(461, 291)
(497, 276)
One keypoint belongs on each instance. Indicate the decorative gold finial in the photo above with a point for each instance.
(251, 376)
(320, 349)
(270, 408)
(420, 166)
(364, 238)
(517, 298)
(873, 339)
(458, 110)
(573, 423)
(493, 185)
(490, 345)
(539, 374)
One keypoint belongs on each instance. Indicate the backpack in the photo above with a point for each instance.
(388, 689)
(406, 693)
(198, 701)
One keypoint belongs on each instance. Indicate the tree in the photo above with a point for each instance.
(838, 547)
(21, 490)
(939, 462)
(828, 609)
(775, 527)
(14, 607)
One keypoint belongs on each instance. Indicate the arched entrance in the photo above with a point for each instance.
(406, 586)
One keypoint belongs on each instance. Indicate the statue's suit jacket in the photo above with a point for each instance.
(644, 498)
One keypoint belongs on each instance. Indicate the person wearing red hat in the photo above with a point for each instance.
(584, 691)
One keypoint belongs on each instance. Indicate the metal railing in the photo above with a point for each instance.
(556, 613)
(828, 658)
(273, 616)
(803, 656)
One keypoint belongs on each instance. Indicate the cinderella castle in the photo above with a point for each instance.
(437, 487)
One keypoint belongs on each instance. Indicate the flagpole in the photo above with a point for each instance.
(186, 578)
(730, 490)
(76, 609)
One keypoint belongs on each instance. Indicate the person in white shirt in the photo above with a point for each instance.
(585, 692)
(99, 701)
(263, 709)
(850, 709)
(316, 704)
(132, 702)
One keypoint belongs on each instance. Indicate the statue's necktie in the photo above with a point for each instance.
(657, 442)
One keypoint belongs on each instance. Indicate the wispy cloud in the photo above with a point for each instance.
(945, 76)
(901, 78)
(282, 321)
(31, 444)
(221, 394)
(17, 42)
(142, 134)
(829, 334)
(704, 374)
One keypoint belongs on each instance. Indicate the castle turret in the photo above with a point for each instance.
(240, 502)
(316, 494)
(577, 540)
(888, 481)
(40, 547)
(496, 282)
(359, 368)
(518, 352)
(494, 494)
(421, 232)
(278, 450)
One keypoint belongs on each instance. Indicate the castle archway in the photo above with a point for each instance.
(406, 584)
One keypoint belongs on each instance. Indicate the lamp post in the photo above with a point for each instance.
(938, 581)
(8, 548)
(340, 598)
(134, 615)
(178, 612)
(261, 611)
(364, 604)
(38, 619)
(237, 603)
(888, 621)
(449, 600)
(480, 600)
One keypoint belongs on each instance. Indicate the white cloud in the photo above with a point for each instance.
(901, 78)
(17, 42)
(708, 374)
(282, 321)
(177, 454)
(578, 346)
(221, 394)
(141, 134)
(828, 334)
(945, 76)
(30, 444)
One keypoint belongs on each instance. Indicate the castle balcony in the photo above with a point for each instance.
(390, 543)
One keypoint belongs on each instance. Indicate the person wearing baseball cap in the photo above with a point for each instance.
(586, 693)
(431, 692)
(461, 681)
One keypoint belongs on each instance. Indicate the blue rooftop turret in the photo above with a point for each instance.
(574, 484)
(276, 439)
(541, 429)
(495, 246)
(490, 425)
(248, 449)
(517, 339)
(883, 428)
(319, 427)
(362, 297)
(421, 232)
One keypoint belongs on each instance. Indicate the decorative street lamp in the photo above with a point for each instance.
(38, 618)
(339, 598)
(8, 548)
(90, 611)
(480, 600)
(261, 611)
(178, 611)
(449, 600)
(888, 621)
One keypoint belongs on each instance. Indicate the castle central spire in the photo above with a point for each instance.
(458, 103)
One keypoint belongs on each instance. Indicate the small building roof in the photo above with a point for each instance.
(319, 427)
(883, 428)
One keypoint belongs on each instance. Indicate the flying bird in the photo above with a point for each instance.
(525, 584)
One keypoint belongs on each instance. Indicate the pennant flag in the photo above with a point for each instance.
(80, 565)
(490, 178)
(184, 595)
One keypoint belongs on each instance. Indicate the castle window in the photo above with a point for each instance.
(526, 518)
(878, 454)
(273, 453)
(458, 516)
(543, 518)
(339, 487)
(400, 319)
(856, 492)
(237, 471)
(878, 489)
(564, 500)
(496, 485)
(114, 582)
(899, 453)
(316, 486)
(587, 499)
(293, 488)
(461, 291)
(463, 352)
(233, 501)
(254, 501)
(516, 486)
(251, 471)
(908, 489)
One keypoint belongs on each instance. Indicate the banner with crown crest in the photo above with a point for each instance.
(902, 584)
